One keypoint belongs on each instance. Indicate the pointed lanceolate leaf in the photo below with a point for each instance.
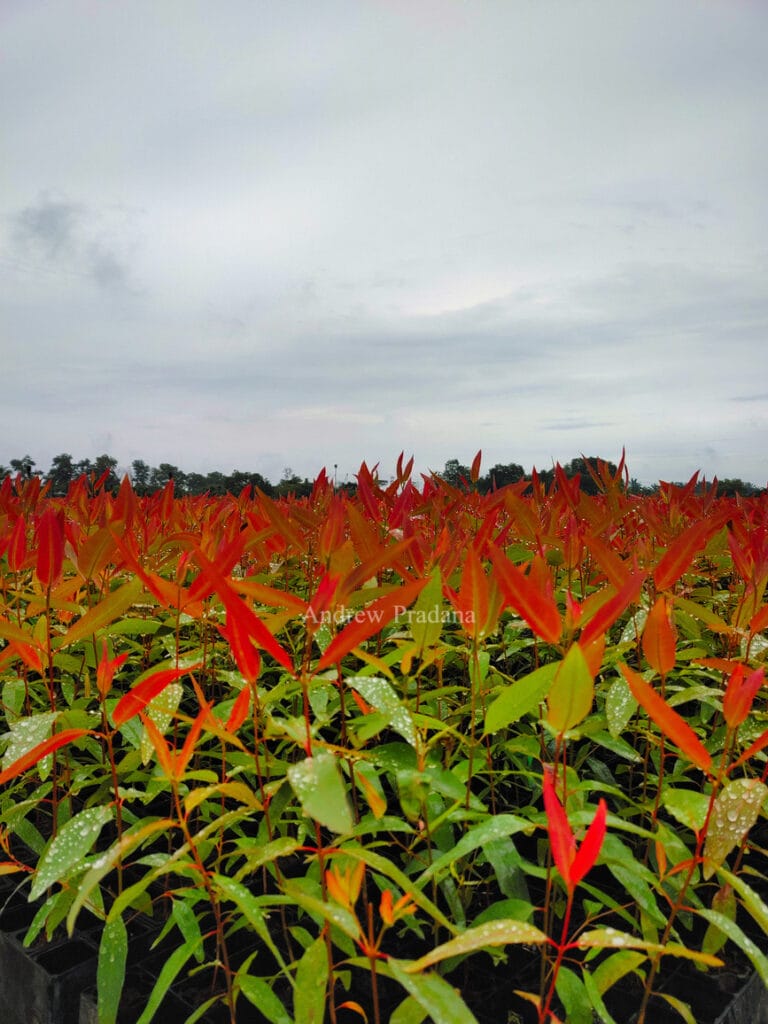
(113, 953)
(572, 691)
(740, 693)
(103, 613)
(69, 847)
(503, 932)
(561, 838)
(591, 845)
(40, 751)
(679, 554)
(659, 641)
(369, 621)
(531, 602)
(671, 724)
(50, 548)
(145, 691)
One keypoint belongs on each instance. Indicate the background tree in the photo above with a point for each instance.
(500, 475)
(140, 473)
(106, 464)
(61, 474)
(23, 466)
(291, 483)
(455, 473)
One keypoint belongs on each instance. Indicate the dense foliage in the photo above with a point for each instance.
(412, 754)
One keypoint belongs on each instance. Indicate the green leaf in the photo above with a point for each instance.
(408, 1012)
(493, 933)
(334, 913)
(499, 827)
(309, 997)
(520, 698)
(752, 902)
(318, 784)
(259, 994)
(377, 692)
(425, 619)
(248, 905)
(724, 902)
(611, 938)
(574, 997)
(189, 926)
(596, 998)
(737, 806)
(571, 693)
(620, 705)
(681, 1008)
(389, 870)
(168, 974)
(688, 806)
(69, 847)
(615, 967)
(443, 1004)
(27, 733)
(110, 975)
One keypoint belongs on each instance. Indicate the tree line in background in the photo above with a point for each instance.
(148, 479)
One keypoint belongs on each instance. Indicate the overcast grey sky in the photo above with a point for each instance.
(242, 234)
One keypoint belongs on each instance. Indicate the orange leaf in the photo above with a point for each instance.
(607, 614)
(671, 724)
(162, 749)
(474, 472)
(659, 640)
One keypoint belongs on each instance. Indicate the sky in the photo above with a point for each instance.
(239, 234)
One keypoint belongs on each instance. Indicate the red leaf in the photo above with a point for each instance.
(248, 623)
(138, 698)
(369, 621)
(37, 753)
(105, 671)
(243, 651)
(17, 548)
(239, 710)
(591, 845)
(740, 693)
(561, 839)
(534, 605)
(50, 548)
(671, 724)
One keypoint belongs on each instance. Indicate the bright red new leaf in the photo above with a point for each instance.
(573, 865)
(145, 691)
